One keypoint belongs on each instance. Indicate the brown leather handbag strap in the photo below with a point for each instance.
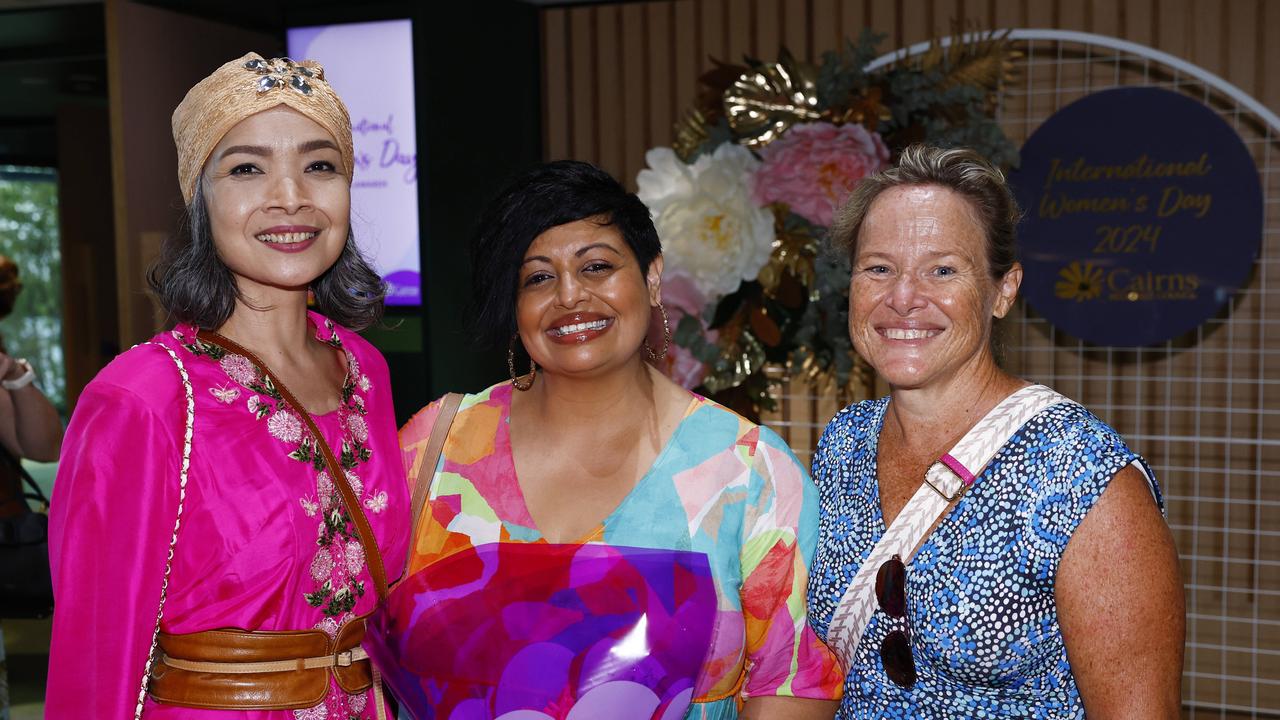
(349, 499)
(431, 458)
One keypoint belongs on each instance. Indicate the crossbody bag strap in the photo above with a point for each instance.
(21, 495)
(430, 458)
(349, 499)
(944, 482)
(183, 470)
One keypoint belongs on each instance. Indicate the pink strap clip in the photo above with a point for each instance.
(960, 470)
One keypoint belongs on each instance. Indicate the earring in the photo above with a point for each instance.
(666, 338)
(511, 367)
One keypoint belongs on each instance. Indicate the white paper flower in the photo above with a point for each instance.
(708, 224)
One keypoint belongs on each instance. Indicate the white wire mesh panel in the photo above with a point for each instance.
(1203, 408)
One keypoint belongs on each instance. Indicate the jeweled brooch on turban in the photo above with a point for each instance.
(281, 72)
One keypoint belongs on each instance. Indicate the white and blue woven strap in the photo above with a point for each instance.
(942, 485)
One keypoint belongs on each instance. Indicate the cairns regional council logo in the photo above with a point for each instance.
(1079, 281)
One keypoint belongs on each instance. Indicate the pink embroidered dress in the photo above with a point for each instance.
(264, 543)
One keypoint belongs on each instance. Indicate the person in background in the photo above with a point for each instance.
(1048, 586)
(293, 505)
(29, 428)
(598, 541)
(29, 424)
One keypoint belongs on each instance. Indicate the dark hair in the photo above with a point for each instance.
(194, 286)
(960, 170)
(541, 198)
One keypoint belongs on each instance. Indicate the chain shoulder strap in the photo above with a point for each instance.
(177, 522)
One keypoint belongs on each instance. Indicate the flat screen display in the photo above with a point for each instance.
(370, 65)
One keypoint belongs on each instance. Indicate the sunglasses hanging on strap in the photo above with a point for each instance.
(881, 580)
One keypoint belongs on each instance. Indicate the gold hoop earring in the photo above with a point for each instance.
(511, 367)
(666, 338)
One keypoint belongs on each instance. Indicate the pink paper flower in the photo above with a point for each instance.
(681, 297)
(683, 368)
(815, 166)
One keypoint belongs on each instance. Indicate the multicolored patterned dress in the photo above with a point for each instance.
(980, 605)
(260, 546)
(688, 598)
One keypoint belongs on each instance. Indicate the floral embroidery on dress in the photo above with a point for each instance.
(225, 394)
(377, 503)
(339, 558)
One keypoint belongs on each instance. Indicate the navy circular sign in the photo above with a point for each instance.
(1142, 216)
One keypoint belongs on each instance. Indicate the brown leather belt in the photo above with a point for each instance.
(233, 669)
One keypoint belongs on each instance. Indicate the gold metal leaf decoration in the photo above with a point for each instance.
(983, 59)
(763, 103)
(742, 355)
(867, 108)
(793, 253)
(860, 385)
(690, 134)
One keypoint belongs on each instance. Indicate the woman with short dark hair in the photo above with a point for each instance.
(230, 505)
(988, 548)
(597, 542)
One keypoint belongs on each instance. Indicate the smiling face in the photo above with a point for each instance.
(279, 204)
(921, 297)
(582, 303)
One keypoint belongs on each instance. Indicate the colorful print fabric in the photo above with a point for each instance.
(531, 625)
(724, 494)
(980, 604)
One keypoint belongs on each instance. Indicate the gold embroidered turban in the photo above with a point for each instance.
(247, 86)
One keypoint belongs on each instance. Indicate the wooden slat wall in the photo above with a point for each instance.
(616, 77)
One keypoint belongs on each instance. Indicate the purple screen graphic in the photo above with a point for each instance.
(371, 67)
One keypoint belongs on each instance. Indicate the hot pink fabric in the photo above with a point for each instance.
(247, 552)
(958, 468)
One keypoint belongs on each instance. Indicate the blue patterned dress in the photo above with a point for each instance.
(980, 602)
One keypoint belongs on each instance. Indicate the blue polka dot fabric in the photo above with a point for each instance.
(980, 604)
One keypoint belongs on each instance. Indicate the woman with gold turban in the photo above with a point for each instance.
(230, 498)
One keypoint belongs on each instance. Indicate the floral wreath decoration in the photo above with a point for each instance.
(759, 165)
